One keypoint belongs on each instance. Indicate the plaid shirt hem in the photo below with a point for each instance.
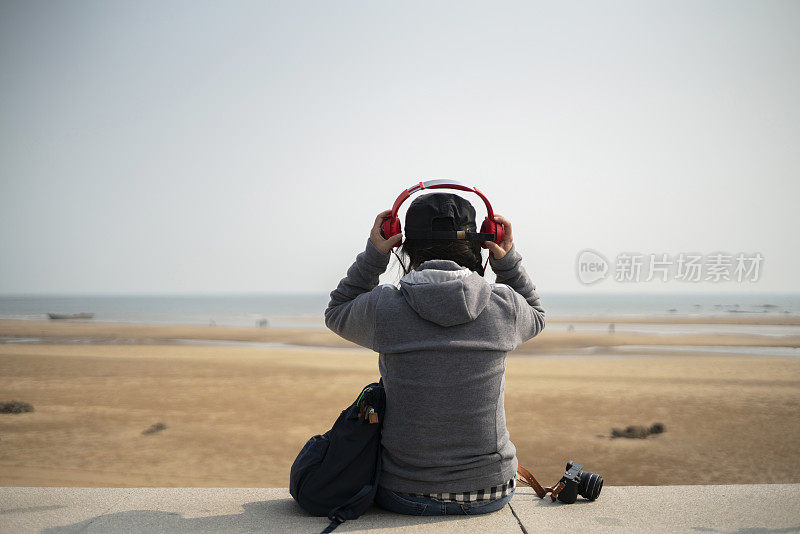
(486, 494)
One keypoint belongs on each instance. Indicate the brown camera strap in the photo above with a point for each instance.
(525, 476)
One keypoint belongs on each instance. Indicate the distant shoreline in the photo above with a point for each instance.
(549, 341)
(307, 310)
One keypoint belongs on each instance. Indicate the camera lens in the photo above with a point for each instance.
(590, 485)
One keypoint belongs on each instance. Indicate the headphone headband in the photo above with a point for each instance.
(490, 230)
(439, 184)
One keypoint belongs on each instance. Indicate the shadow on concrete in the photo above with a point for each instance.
(282, 515)
(547, 501)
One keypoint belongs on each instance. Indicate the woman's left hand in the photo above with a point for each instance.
(384, 245)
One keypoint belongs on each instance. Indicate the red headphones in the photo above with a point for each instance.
(391, 225)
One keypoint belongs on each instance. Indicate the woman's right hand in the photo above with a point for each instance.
(376, 234)
(498, 251)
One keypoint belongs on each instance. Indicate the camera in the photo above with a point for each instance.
(578, 482)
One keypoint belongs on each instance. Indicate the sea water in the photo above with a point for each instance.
(307, 310)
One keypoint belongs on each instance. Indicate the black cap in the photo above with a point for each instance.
(442, 216)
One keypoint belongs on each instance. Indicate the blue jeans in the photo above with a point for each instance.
(405, 504)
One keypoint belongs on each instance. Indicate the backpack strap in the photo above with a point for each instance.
(330, 528)
(363, 497)
(342, 513)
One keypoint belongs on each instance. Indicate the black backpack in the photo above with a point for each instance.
(336, 474)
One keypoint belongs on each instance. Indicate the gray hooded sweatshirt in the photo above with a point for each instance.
(442, 339)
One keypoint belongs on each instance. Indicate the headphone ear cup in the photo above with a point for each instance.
(399, 231)
(488, 227)
(500, 233)
(391, 227)
(491, 227)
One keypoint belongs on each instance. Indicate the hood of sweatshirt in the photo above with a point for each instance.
(443, 292)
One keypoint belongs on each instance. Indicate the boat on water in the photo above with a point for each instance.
(70, 315)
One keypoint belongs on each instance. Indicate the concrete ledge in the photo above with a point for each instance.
(737, 508)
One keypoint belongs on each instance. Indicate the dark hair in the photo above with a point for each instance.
(465, 253)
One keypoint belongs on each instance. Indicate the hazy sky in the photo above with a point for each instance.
(247, 146)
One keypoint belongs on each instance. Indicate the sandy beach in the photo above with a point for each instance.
(236, 415)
